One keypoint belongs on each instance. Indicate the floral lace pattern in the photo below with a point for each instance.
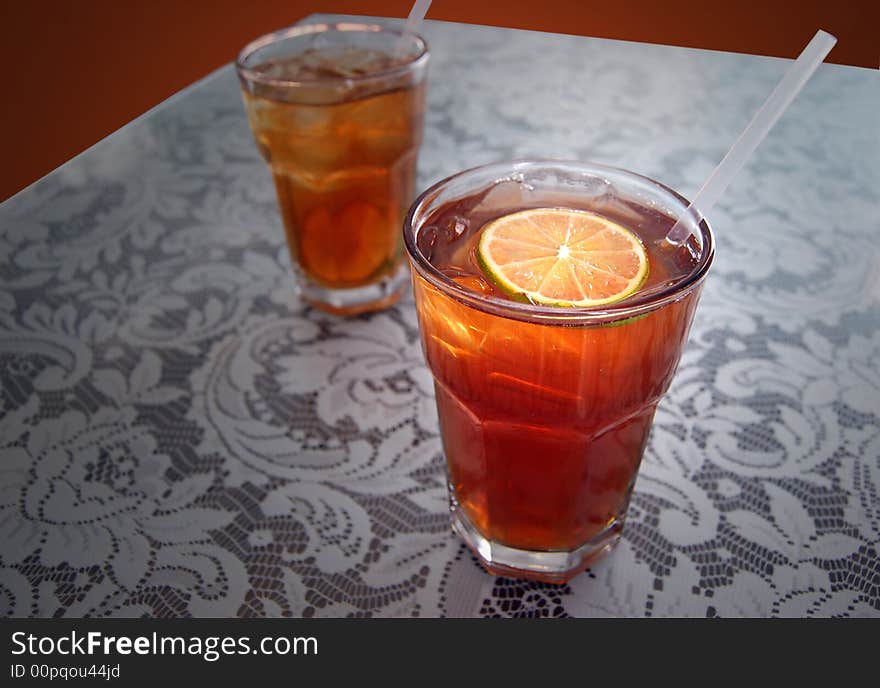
(180, 437)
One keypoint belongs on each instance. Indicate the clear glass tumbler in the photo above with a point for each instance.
(545, 411)
(337, 111)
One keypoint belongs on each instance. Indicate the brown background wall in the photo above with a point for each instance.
(76, 71)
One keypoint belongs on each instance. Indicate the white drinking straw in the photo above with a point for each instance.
(413, 22)
(793, 81)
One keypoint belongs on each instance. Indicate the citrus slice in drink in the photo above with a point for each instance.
(562, 257)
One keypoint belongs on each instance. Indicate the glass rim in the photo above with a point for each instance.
(297, 30)
(628, 308)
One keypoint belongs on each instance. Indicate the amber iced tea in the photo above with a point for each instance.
(545, 412)
(344, 180)
(337, 112)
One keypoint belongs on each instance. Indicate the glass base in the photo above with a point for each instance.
(372, 297)
(537, 565)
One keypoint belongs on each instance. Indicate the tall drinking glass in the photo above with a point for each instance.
(545, 411)
(337, 111)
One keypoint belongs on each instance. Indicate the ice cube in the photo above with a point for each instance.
(426, 240)
(504, 194)
(468, 280)
(614, 206)
(456, 227)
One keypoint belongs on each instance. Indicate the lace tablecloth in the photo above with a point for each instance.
(180, 437)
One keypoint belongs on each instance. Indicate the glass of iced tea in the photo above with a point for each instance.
(553, 313)
(337, 111)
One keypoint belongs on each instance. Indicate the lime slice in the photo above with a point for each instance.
(562, 257)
